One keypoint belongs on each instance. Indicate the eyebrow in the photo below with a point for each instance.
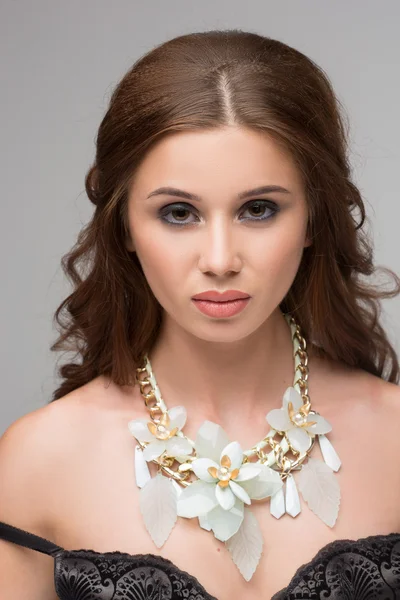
(171, 191)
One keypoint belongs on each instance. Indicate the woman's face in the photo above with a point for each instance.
(219, 240)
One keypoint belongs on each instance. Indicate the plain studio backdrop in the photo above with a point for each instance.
(59, 63)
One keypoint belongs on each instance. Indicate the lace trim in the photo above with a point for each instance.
(184, 585)
(317, 569)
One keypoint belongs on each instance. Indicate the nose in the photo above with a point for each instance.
(219, 252)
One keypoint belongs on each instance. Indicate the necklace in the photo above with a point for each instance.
(215, 480)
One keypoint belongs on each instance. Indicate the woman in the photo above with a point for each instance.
(227, 345)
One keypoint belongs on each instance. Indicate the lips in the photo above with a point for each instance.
(221, 310)
(216, 296)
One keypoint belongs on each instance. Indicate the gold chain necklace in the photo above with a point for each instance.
(214, 478)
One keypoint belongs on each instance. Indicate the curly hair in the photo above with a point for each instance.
(201, 81)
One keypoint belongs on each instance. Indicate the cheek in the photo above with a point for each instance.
(277, 261)
(163, 265)
(283, 256)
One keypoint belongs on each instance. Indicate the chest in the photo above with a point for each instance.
(98, 508)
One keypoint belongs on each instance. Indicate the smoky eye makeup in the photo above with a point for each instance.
(175, 214)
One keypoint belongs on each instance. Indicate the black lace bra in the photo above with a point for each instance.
(364, 569)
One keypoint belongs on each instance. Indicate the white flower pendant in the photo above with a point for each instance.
(162, 437)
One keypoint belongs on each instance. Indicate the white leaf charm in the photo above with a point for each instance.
(292, 499)
(277, 504)
(328, 452)
(142, 473)
(157, 500)
(320, 489)
(246, 545)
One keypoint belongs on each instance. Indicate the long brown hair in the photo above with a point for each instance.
(207, 80)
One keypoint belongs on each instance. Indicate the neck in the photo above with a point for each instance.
(212, 378)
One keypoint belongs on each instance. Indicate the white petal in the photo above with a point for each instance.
(235, 453)
(321, 426)
(278, 418)
(177, 415)
(139, 429)
(240, 492)
(292, 500)
(277, 504)
(225, 497)
(225, 523)
(293, 396)
(178, 445)
(210, 440)
(197, 499)
(248, 471)
(264, 485)
(200, 468)
(299, 439)
(329, 453)
(154, 449)
(203, 522)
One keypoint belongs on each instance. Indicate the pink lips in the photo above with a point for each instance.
(216, 296)
(216, 304)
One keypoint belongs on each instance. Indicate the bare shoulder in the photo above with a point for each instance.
(381, 397)
(57, 428)
(352, 395)
(32, 456)
(32, 450)
(42, 427)
(354, 383)
(371, 402)
(386, 395)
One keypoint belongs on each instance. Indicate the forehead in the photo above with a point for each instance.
(224, 158)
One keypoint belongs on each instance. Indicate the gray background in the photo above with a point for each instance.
(59, 63)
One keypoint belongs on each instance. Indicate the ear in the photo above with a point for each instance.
(307, 243)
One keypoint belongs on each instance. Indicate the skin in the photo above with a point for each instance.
(221, 245)
(231, 371)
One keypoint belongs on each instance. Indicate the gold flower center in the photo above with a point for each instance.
(161, 430)
(223, 473)
(299, 418)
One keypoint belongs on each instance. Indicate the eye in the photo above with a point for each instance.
(181, 209)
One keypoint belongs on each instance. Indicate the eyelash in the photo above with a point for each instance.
(184, 206)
